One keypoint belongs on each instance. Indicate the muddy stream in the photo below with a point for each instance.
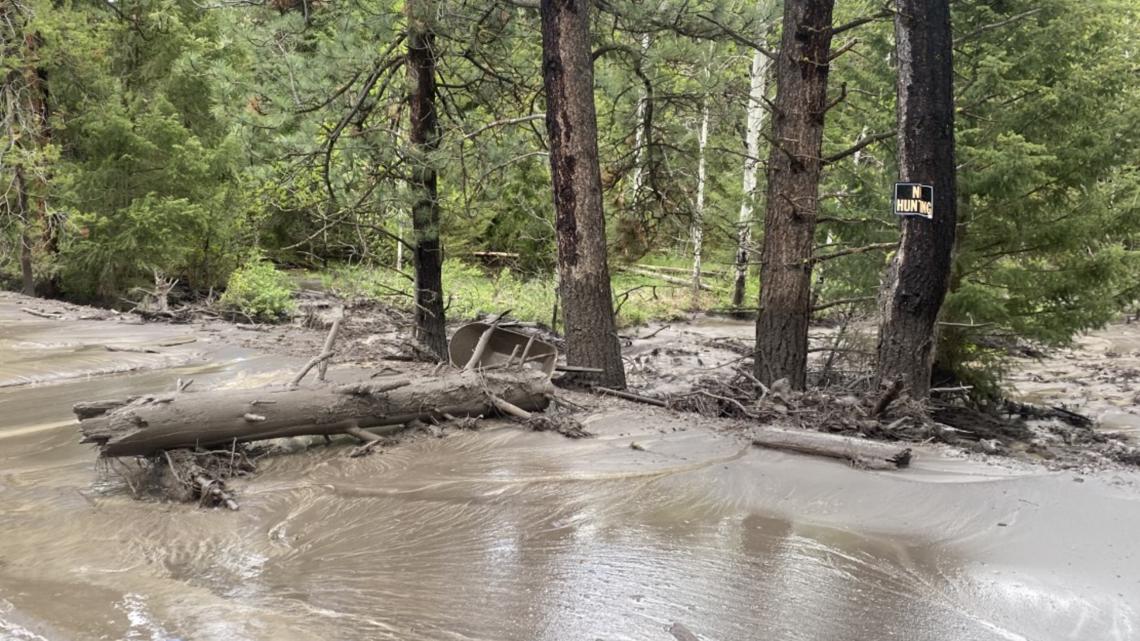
(504, 534)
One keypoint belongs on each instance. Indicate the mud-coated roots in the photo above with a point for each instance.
(187, 476)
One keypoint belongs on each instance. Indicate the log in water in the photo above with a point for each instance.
(202, 419)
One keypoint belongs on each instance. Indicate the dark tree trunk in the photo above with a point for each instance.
(571, 122)
(427, 255)
(23, 216)
(916, 281)
(793, 192)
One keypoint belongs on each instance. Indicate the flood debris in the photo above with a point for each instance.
(179, 439)
(1056, 435)
(864, 454)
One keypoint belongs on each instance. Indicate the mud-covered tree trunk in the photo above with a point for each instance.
(758, 82)
(571, 123)
(918, 276)
(793, 192)
(142, 426)
(427, 255)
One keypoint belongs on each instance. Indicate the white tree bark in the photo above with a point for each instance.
(696, 230)
(640, 136)
(755, 123)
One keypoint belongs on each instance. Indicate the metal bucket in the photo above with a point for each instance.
(540, 355)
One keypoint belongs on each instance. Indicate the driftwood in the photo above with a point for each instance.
(145, 425)
(865, 454)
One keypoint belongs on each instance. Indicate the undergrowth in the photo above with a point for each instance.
(473, 290)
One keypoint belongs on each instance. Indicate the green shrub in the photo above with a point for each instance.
(259, 290)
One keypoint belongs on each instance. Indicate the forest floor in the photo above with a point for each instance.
(1073, 408)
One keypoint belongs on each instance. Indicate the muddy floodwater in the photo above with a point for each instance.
(504, 534)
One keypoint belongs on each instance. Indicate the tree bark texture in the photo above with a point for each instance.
(430, 323)
(571, 123)
(206, 419)
(862, 453)
(919, 274)
(697, 227)
(793, 192)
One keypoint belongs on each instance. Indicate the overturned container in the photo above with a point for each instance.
(503, 347)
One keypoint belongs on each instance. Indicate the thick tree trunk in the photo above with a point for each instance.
(571, 123)
(428, 257)
(144, 426)
(696, 229)
(758, 82)
(918, 276)
(793, 192)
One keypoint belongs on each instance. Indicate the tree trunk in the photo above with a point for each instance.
(758, 82)
(793, 192)
(639, 136)
(696, 230)
(916, 281)
(428, 259)
(142, 426)
(571, 123)
(23, 218)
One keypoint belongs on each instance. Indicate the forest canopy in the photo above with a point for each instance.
(203, 141)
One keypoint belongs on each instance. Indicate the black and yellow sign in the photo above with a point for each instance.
(913, 199)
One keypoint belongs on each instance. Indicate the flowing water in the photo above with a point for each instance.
(504, 534)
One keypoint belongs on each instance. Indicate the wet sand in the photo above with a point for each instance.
(505, 534)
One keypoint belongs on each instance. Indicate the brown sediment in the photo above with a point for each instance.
(573, 538)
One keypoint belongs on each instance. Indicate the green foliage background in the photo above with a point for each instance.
(184, 135)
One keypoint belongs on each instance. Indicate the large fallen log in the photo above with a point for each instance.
(145, 425)
(860, 453)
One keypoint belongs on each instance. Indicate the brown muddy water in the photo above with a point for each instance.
(511, 535)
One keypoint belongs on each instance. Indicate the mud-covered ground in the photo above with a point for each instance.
(663, 522)
(684, 361)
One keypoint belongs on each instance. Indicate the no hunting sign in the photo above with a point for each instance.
(914, 199)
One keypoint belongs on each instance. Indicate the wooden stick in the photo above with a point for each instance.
(579, 368)
(327, 349)
(526, 350)
(509, 408)
(536, 357)
(888, 397)
(363, 435)
(480, 347)
(632, 397)
(40, 314)
(308, 366)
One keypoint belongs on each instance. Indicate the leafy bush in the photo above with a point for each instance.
(259, 290)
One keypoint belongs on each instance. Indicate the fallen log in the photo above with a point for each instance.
(684, 282)
(860, 453)
(146, 425)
